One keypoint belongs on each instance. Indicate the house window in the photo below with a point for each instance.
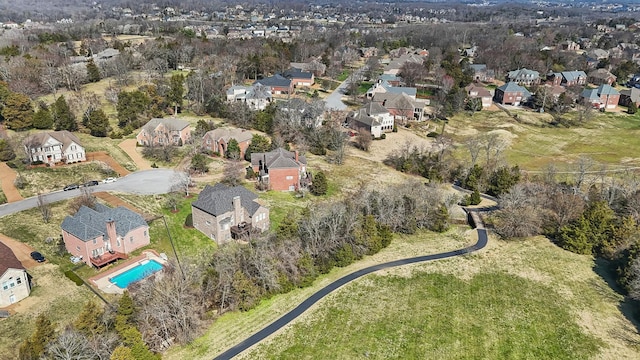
(73, 147)
(208, 222)
(78, 248)
(19, 281)
(145, 233)
(118, 242)
(5, 285)
(289, 177)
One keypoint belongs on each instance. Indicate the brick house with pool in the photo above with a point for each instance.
(103, 235)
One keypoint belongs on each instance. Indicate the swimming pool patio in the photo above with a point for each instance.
(102, 280)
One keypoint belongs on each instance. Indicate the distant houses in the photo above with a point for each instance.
(163, 132)
(54, 147)
(256, 96)
(278, 84)
(524, 76)
(602, 76)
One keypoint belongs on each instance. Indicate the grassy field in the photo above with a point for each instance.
(534, 143)
(515, 300)
(45, 180)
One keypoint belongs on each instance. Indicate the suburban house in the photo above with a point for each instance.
(314, 65)
(298, 112)
(394, 66)
(481, 73)
(524, 76)
(479, 92)
(224, 213)
(299, 77)
(280, 169)
(278, 84)
(257, 96)
(568, 78)
(373, 118)
(401, 106)
(601, 76)
(217, 140)
(383, 86)
(54, 147)
(629, 96)
(511, 94)
(393, 80)
(13, 278)
(164, 131)
(604, 97)
(553, 91)
(103, 234)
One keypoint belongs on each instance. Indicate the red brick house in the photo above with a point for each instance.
(511, 94)
(218, 139)
(165, 131)
(604, 97)
(568, 78)
(224, 213)
(103, 235)
(299, 77)
(278, 84)
(281, 169)
(601, 77)
(479, 92)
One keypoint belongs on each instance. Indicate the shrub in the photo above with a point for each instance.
(475, 198)
(633, 108)
(433, 134)
(37, 162)
(3, 198)
(383, 136)
(188, 222)
(395, 128)
(73, 277)
(20, 182)
(319, 185)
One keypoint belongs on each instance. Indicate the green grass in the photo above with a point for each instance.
(364, 87)
(343, 75)
(47, 179)
(491, 316)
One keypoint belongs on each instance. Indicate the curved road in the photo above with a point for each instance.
(147, 182)
(317, 296)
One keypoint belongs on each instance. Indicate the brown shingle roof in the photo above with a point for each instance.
(63, 136)
(8, 259)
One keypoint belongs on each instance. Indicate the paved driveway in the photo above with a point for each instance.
(147, 182)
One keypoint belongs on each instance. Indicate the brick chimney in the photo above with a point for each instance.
(111, 231)
(238, 214)
(296, 153)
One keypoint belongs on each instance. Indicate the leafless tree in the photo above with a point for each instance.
(474, 145)
(45, 208)
(70, 345)
(86, 198)
(364, 139)
(233, 172)
(585, 112)
(181, 182)
(412, 73)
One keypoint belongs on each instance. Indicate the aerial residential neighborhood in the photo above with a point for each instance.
(319, 180)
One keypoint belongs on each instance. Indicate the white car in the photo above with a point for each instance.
(109, 180)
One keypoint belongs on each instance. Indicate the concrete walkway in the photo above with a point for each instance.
(7, 177)
(129, 146)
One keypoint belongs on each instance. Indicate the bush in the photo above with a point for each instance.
(20, 182)
(74, 277)
(383, 136)
(475, 198)
(319, 185)
(3, 198)
(395, 128)
(633, 108)
(37, 162)
(188, 222)
(433, 134)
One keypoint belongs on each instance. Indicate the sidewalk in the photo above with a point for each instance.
(129, 146)
(7, 177)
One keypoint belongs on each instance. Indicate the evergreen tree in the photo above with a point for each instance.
(633, 108)
(233, 150)
(199, 163)
(34, 347)
(89, 321)
(97, 123)
(319, 185)
(258, 144)
(93, 73)
(474, 198)
(122, 353)
(288, 227)
(63, 118)
(176, 90)
(130, 106)
(18, 112)
(6, 151)
(42, 119)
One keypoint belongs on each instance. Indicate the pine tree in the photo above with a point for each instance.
(233, 150)
(18, 112)
(319, 185)
(88, 322)
(176, 90)
(258, 144)
(93, 73)
(122, 353)
(34, 347)
(42, 119)
(97, 123)
(63, 118)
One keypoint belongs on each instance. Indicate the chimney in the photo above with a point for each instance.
(264, 164)
(111, 231)
(238, 214)
(296, 153)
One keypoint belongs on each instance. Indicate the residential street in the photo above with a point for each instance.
(147, 182)
(334, 100)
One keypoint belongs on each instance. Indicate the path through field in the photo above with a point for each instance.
(7, 177)
(129, 146)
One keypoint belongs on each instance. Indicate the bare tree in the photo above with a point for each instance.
(181, 182)
(45, 208)
(233, 172)
(364, 139)
(86, 198)
(70, 345)
(474, 145)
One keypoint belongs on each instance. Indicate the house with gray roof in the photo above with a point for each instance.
(256, 96)
(373, 118)
(278, 84)
(54, 147)
(224, 213)
(383, 86)
(280, 169)
(164, 132)
(605, 97)
(102, 235)
(511, 94)
(601, 76)
(629, 96)
(14, 280)
(524, 76)
(482, 73)
(568, 78)
(401, 106)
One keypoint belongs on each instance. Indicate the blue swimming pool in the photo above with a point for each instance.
(137, 273)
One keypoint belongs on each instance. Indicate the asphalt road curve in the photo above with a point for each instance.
(305, 305)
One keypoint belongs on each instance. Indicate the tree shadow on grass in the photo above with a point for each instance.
(628, 307)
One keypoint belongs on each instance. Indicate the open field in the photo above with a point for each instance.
(534, 143)
(45, 179)
(513, 300)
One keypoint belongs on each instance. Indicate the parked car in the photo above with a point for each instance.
(91, 183)
(71, 187)
(109, 180)
(37, 256)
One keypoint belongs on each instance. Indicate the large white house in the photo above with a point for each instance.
(54, 147)
(14, 281)
(373, 118)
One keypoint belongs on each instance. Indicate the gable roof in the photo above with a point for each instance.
(297, 73)
(64, 137)
(395, 101)
(8, 259)
(275, 80)
(601, 74)
(374, 108)
(605, 89)
(479, 90)
(362, 117)
(573, 75)
(478, 67)
(169, 123)
(523, 73)
(633, 94)
(241, 135)
(87, 223)
(218, 199)
(278, 159)
(513, 87)
(590, 94)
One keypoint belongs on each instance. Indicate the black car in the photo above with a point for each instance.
(91, 183)
(37, 256)
(71, 187)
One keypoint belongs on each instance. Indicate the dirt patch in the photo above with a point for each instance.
(7, 177)
(380, 149)
(115, 201)
(106, 158)
(21, 250)
(129, 146)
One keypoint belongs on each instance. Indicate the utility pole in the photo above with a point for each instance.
(173, 246)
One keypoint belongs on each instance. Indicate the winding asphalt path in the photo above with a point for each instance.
(305, 305)
(147, 182)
